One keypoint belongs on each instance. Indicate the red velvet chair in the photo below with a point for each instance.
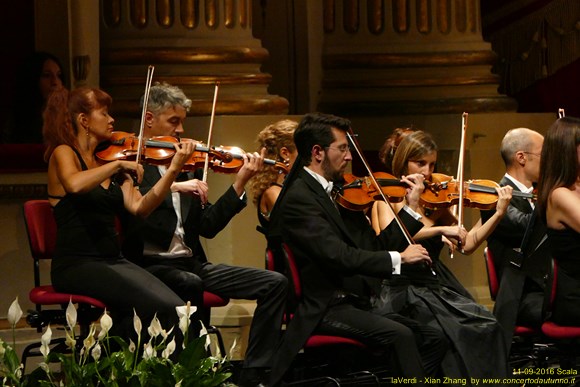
(211, 300)
(565, 338)
(316, 341)
(529, 346)
(493, 282)
(41, 229)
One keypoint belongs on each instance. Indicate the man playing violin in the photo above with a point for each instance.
(520, 272)
(340, 258)
(167, 243)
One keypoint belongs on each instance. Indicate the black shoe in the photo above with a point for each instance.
(254, 377)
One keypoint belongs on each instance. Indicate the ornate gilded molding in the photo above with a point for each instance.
(183, 55)
(416, 59)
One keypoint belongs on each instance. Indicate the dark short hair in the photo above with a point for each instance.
(316, 129)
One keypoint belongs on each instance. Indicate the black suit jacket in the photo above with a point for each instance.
(516, 282)
(329, 249)
(158, 228)
(510, 233)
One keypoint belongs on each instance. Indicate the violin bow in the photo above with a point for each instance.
(406, 233)
(561, 113)
(460, 170)
(150, 71)
(206, 165)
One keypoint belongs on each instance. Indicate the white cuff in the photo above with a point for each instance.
(414, 214)
(396, 260)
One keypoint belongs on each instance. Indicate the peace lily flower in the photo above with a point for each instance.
(184, 313)
(71, 315)
(103, 368)
(137, 324)
(45, 342)
(89, 341)
(203, 331)
(106, 322)
(154, 328)
(14, 313)
(169, 349)
(96, 352)
(148, 351)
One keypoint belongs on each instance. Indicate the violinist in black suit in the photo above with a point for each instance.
(522, 274)
(167, 243)
(335, 248)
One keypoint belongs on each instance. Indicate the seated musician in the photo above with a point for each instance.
(438, 299)
(521, 273)
(167, 243)
(336, 247)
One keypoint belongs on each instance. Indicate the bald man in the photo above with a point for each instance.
(520, 298)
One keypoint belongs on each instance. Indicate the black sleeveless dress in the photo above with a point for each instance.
(477, 342)
(88, 261)
(565, 247)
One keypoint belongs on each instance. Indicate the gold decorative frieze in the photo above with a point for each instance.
(164, 12)
(189, 12)
(112, 12)
(138, 11)
(375, 16)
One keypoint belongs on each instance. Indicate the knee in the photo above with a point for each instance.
(188, 286)
(278, 281)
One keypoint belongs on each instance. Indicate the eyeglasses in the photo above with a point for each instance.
(342, 149)
(532, 153)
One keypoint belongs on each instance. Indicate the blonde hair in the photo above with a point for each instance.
(273, 137)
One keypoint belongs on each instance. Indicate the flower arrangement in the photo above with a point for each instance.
(95, 364)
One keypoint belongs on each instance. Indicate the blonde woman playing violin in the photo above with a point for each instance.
(440, 299)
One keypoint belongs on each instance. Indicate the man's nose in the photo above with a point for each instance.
(179, 129)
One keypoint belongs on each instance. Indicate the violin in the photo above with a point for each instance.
(359, 193)
(479, 193)
(160, 150)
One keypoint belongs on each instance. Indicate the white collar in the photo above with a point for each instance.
(520, 186)
(327, 185)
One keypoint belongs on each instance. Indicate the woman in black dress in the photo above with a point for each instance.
(87, 196)
(440, 300)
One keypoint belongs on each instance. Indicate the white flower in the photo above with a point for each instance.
(44, 367)
(132, 346)
(96, 352)
(169, 349)
(233, 347)
(70, 339)
(14, 313)
(106, 323)
(71, 315)
(137, 324)
(165, 334)
(184, 313)
(45, 342)
(155, 327)
(203, 331)
(89, 341)
(148, 351)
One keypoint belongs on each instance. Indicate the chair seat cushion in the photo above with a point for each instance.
(556, 331)
(213, 300)
(46, 295)
(525, 331)
(324, 340)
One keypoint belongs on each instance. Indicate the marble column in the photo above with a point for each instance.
(407, 57)
(192, 44)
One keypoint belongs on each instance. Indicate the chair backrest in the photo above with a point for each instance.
(41, 229)
(550, 292)
(282, 260)
(492, 279)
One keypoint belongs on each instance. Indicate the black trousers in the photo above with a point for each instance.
(188, 279)
(417, 350)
